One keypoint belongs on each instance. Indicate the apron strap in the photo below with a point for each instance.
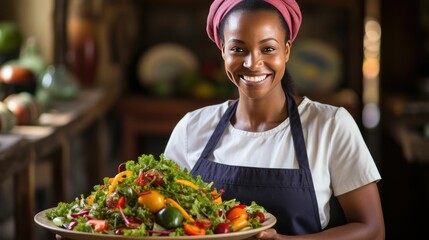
(297, 134)
(300, 148)
(217, 134)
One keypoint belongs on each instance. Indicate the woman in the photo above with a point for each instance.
(288, 153)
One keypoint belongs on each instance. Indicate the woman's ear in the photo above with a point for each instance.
(223, 50)
(288, 47)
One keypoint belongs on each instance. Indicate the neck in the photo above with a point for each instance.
(257, 115)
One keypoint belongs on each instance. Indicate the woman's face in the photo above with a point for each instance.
(255, 52)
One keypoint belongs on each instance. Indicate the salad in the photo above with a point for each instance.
(153, 197)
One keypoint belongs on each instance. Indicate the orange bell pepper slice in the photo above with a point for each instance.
(193, 230)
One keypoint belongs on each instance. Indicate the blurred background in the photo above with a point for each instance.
(88, 84)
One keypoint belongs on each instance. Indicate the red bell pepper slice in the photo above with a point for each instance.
(121, 202)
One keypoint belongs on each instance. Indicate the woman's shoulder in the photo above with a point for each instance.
(322, 109)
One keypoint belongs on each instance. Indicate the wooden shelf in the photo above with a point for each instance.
(140, 115)
(26, 146)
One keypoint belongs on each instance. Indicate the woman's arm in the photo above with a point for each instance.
(363, 211)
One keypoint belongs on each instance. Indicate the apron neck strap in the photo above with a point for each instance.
(297, 134)
(217, 134)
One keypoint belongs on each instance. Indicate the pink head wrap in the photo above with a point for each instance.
(219, 8)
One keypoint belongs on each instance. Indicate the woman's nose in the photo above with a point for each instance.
(252, 61)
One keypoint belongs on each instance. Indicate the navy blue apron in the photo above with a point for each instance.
(288, 194)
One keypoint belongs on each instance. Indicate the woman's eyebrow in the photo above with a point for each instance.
(267, 40)
(234, 40)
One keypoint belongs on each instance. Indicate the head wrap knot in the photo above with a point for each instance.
(219, 8)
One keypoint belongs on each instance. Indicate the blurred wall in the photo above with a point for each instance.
(34, 17)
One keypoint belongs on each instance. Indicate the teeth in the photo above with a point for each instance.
(254, 78)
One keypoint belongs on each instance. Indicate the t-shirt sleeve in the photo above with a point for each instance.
(351, 164)
(176, 148)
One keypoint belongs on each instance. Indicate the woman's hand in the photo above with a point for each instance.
(267, 234)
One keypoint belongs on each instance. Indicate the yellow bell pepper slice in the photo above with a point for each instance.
(177, 205)
(217, 198)
(118, 178)
(187, 183)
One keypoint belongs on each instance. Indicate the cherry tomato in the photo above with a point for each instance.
(203, 223)
(222, 228)
(153, 200)
(193, 230)
(260, 215)
(169, 217)
(237, 212)
(155, 177)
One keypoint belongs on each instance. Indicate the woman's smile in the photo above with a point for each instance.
(254, 78)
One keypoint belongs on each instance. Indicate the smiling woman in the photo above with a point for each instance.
(288, 152)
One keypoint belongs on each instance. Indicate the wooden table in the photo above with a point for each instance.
(26, 146)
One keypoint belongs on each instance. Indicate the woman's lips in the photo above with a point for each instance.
(258, 78)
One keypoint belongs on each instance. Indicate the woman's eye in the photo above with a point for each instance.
(269, 49)
(237, 49)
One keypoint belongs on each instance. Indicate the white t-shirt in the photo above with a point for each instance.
(338, 156)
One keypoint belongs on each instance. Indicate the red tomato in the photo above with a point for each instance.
(237, 212)
(222, 228)
(155, 177)
(203, 223)
(260, 215)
